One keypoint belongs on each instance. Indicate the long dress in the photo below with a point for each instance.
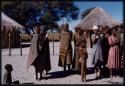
(114, 60)
(97, 57)
(65, 53)
(77, 40)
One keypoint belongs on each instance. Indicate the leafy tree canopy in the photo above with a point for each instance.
(49, 13)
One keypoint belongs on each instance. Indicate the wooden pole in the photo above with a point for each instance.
(9, 45)
(53, 43)
(20, 45)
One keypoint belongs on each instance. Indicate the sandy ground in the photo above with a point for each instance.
(20, 73)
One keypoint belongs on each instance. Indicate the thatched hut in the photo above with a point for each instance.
(97, 16)
(9, 26)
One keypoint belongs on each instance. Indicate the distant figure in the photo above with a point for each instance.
(65, 54)
(83, 60)
(8, 75)
(39, 55)
(77, 40)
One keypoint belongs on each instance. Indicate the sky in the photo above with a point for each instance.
(113, 8)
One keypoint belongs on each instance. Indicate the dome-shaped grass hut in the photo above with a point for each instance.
(97, 16)
(10, 32)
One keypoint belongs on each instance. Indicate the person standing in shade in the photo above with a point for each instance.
(65, 53)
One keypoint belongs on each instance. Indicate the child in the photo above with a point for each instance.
(83, 59)
(8, 76)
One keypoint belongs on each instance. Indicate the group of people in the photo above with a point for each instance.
(106, 44)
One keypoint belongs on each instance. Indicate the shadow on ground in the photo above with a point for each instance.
(61, 74)
(58, 74)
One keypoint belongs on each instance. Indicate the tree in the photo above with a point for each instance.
(29, 12)
(86, 12)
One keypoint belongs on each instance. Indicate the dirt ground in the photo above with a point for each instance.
(55, 76)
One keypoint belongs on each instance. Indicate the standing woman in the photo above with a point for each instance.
(114, 60)
(65, 54)
(97, 57)
(77, 40)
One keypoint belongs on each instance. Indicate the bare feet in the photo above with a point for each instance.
(111, 77)
(83, 80)
(40, 78)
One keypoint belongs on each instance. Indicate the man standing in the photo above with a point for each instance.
(39, 54)
(65, 54)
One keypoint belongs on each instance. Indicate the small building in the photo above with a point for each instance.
(10, 28)
(97, 16)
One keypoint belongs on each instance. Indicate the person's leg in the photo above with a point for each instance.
(82, 75)
(115, 72)
(111, 73)
(64, 67)
(96, 73)
(41, 75)
(84, 71)
(64, 64)
(69, 67)
(99, 72)
(36, 72)
(46, 72)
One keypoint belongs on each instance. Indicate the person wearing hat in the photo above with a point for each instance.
(97, 57)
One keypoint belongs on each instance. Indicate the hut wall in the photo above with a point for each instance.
(14, 38)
